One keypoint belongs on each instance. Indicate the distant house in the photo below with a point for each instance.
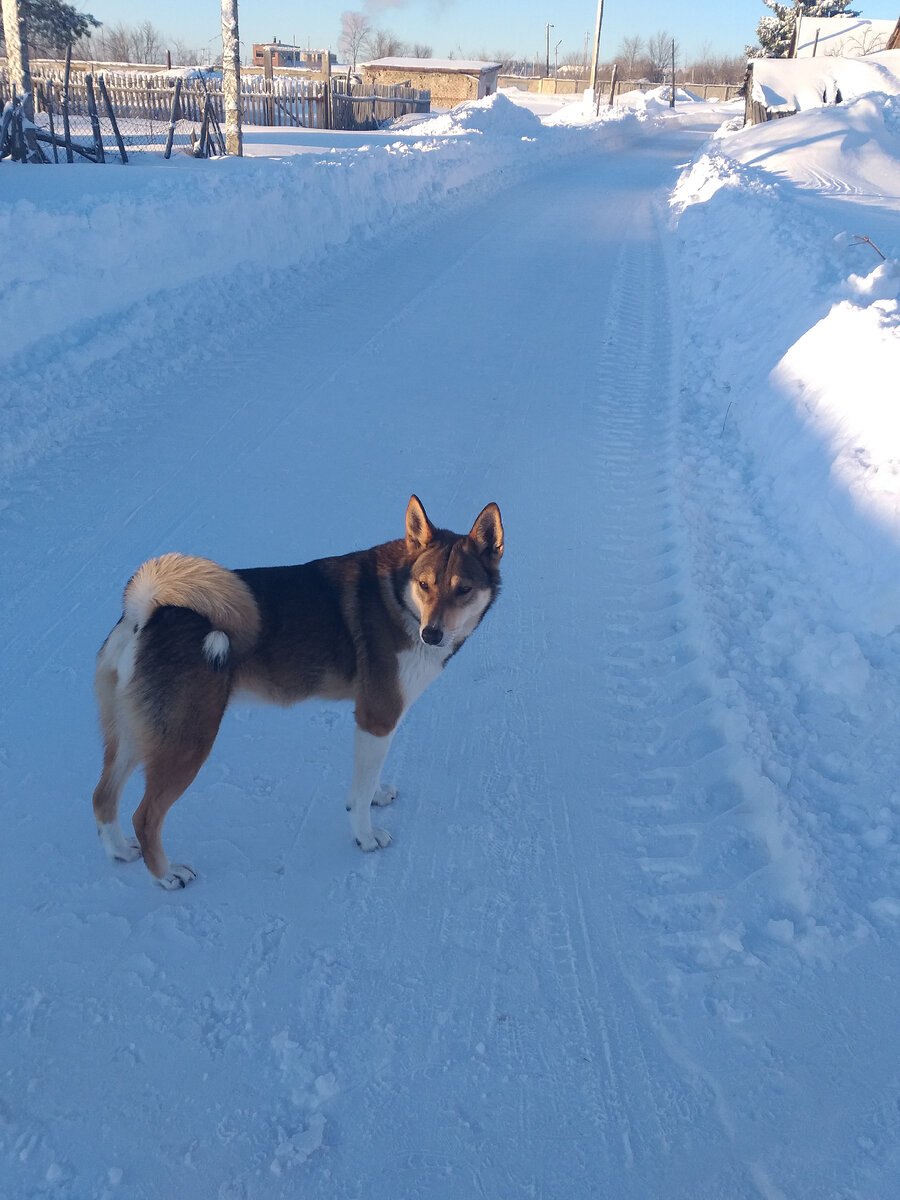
(845, 37)
(289, 56)
(450, 81)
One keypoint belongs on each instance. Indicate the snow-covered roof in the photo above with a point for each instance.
(793, 84)
(849, 37)
(464, 66)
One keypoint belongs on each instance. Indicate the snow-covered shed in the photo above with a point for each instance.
(450, 80)
(780, 87)
(845, 37)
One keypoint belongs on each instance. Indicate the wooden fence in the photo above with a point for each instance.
(573, 87)
(145, 96)
(149, 97)
(369, 106)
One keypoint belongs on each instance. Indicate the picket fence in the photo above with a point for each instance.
(147, 96)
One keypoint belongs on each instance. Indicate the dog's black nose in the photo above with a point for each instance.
(432, 635)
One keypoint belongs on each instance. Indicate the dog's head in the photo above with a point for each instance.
(454, 578)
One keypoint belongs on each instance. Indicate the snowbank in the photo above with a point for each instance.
(802, 375)
(643, 107)
(87, 251)
(110, 237)
(493, 116)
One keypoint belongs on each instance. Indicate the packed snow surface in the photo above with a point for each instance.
(637, 935)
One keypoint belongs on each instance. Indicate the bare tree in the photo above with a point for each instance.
(185, 55)
(420, 50)
(715, 68)
(125, 43)
(355, 29)
(113, 43)
(574, 58)
(659, 55)
(382, 43)
(147, 43)
(630, 54)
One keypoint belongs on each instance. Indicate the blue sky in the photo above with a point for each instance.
(458, 27)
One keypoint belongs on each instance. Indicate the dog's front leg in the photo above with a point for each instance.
(369, 753)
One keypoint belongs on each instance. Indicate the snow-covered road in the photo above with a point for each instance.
(572, 974)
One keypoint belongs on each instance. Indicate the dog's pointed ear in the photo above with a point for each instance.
(487, 534)
(419, 530)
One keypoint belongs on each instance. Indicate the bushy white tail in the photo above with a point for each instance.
(203, 586)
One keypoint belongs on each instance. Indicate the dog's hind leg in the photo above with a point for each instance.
(177, 749)
(119, 761)
(169, 774)
(179, 698)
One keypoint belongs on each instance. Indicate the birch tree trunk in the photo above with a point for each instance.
(20, 72)
(231, 76)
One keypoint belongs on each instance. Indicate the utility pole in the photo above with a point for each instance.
(231, 76)
(672, 96)
(547, 63)
(595, 60)
(20, 73)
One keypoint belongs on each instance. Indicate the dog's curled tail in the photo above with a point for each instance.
(204, 587)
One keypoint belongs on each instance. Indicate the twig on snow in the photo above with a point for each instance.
(861, 239)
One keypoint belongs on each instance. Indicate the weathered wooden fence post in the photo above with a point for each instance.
(95, 118)
(329, 97)
(173, 118)
(231, 77)
(67, 133)
(20, 73)
(110, 112)
(269, 77)
(49, 101)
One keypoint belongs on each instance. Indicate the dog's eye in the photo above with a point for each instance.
(423, 585)
(463, 590)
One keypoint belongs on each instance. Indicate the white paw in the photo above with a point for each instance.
(384, 796)
(129, 851)
(117, 846)
(179, 875)
(377, 841)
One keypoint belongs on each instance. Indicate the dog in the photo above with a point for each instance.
(373, 626)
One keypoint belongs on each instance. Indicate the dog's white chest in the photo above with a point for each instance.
(417, 667)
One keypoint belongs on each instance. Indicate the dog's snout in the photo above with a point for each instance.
(432, 635)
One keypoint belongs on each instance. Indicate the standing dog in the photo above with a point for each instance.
(375, 626)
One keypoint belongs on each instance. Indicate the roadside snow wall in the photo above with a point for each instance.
(792, 362)
(80, 243)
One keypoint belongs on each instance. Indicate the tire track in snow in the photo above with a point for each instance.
(649, 656)
(666, 724)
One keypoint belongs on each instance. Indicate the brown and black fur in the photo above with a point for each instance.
(373, 626)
